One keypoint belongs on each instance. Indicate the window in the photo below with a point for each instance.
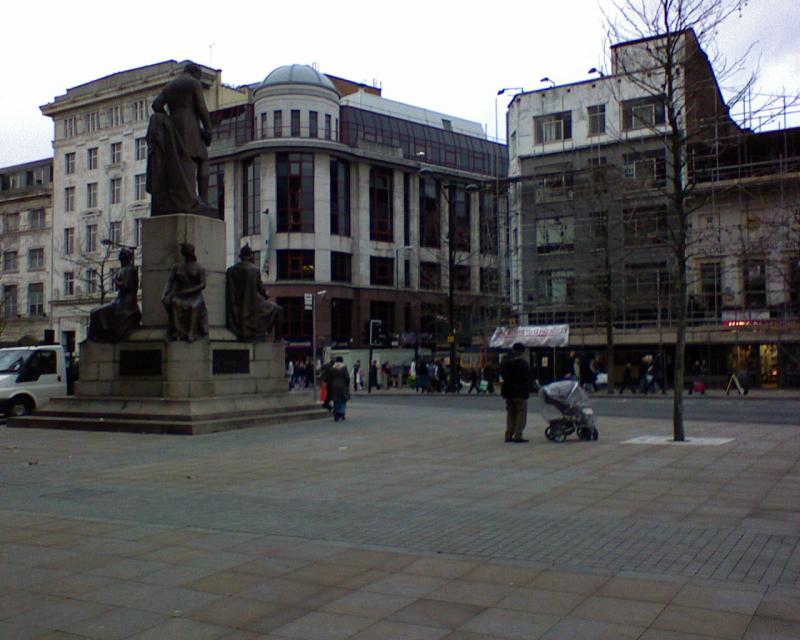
(11, 222)
(91, 195)
(36, 299)
(794, 284)
(35, 259)
(597, 119)
(91, 278)
(263, 123)
(642, 113)
(115, 232)
(37, 219)
(381, 210)
(115, 190)
(295, 264)
(462, 278)
(554, 186)
(69, 163)
(340, 197)
(555, 234)
(277, 124)
(92, 122)
(383, 311)
(91, 158)
(69, 241)
(341, 267)
(644, 283)
(489, 281)
(10, 301)
(341, 320)
(711, 288)
(646, 168)
(115, 153)
(295, 123)
(647, 226)
(381, 271)
(313, 125)
(754, 273)
(598, 229)
(140, 110)
(430, 275)
(430, 217)
(296, 319)
(487, 221)
(137, 232)
(69, 283)
(327, 126)
(69, 199)
(460, 209)
(251, 196)
(555, 287)
(552, 127)
(10, 262)
(140, 149)
(115, 117)
(91, 237)
(140, 186)
(69, 127)
(216, 188)
(295, 192)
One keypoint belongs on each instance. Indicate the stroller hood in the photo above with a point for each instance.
(566, 392)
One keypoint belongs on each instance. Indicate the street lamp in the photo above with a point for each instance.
(546, 79)
(500, 92)
(597, 71)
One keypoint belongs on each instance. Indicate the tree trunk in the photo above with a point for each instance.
(680, 354)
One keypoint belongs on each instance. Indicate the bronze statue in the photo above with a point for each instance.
(251, 315)
(113, 322)
(177, 137)
(183, 298)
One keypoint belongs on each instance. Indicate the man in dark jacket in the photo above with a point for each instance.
(516, 389)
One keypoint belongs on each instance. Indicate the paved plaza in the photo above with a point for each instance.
(407, 521)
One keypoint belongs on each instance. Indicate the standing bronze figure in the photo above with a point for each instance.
(251, 315)
(177, 137)
(183, 298)
(113, 322)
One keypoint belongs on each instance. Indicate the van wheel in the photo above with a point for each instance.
(19, 407)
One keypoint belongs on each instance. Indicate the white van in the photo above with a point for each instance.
(30, 376)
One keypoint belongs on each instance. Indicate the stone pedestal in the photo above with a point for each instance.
(149, 384)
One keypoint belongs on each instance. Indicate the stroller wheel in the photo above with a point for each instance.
(584, 433)
(595, 434)
(548, 433)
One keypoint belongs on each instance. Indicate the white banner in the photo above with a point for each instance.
(549, 335)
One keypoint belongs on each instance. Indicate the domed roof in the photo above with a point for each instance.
(298, 74)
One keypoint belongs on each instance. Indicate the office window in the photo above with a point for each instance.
(645, 226)
(140, 149)
(10, 262)
(341, 267)
(91, 237)
(140, 186)
(69, 283)
(216, 188)
(381, 204)
(552, 127)
(327, 126)
(295, 264)
(10, 301)
(37, 219)
(69, 241)
(115, 153)
(340, 197)
(11, 222)
(36, 299)
(341, 320)
(460, 209)
(115, 190)
(115, 232)
(69, 163)
(92, 121)
(69, 199)
(597, 119)
(643, 284)
(711, 288)
(490, 282)
(462, 277)
(643, 113)
(754, 275)
(487, 223)
(91, 195)
(381, 271)
(555, 287)
(430, 217)
(69, 127)
(430, 275)
(91, 279)
(91, 158)
(555, 234)
(277, 124)
(140, 112)
(137, 232)
(115, 116)
(251, 196)
(35, 259)
(263, 125)
(313, 125)
(295, 123)
(295, 192)
(296, 319)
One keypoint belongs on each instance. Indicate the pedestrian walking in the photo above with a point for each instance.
(516, 390)
(338, 383)
(627, 379)
(373, 376)
(473, 381)
(356, 374)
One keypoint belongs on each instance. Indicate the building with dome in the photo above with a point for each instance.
(343, 195)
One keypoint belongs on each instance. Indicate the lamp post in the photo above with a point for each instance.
(320, 294)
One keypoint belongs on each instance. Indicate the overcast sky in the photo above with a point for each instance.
(446, 55)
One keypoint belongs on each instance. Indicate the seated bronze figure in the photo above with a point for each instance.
(183, 298)
(114, 322)
(251, 315)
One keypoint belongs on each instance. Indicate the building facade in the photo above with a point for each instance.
(26, 251)
(592, 218)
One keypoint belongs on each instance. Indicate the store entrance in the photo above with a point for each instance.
(768, 361)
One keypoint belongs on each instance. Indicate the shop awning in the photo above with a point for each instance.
(547, 335)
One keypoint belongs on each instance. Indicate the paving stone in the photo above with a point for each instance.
(719, 624)
(511, 624)
(436, 613)
(386, 630)
(324, 625)
(618, 611)
(542, 601)
(115, 624)
(369, 604)
(182, 628)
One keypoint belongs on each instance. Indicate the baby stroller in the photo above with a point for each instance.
(568, 410)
